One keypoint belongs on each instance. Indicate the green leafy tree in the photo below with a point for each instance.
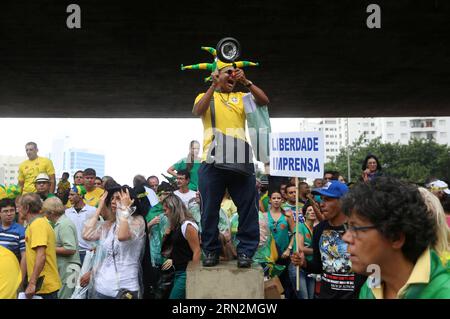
(415, 161)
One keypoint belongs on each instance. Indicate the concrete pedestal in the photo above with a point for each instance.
(224, 281)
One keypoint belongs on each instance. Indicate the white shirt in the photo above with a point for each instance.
(185, 225)
(79, 219)
(185, 197)
(127, 256)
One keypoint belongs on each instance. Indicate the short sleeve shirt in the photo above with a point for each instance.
(92, 198)
(230, 116)
(13, 238)
(29, 170)
(10, 274)
(40, 233)
(67, 237)
(182, 164)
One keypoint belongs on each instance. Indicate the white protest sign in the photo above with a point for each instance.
(297, 154)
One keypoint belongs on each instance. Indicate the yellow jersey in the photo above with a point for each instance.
(29, 170)
(92, 198)
(10, 274)
(40, 233)
(230, 117)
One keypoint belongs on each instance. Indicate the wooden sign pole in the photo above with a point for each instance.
(296, 231)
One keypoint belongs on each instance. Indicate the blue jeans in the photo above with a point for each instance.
(211, 184)
(306, 283)
(82, 255)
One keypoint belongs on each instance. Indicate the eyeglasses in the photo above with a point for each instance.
(8, 211)
(353, 230)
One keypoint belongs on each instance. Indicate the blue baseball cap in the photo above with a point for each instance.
(333, 189)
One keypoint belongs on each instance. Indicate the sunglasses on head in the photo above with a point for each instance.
(275, 224)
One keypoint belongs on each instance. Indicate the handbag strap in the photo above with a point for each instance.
(212, 110)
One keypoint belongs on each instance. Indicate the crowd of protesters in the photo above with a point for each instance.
(96, 239)
(377, 238)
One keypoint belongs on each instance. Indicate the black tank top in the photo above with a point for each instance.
(181, 252)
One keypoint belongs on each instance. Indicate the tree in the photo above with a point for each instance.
(415, 161)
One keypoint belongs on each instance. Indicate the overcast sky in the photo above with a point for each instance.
(131, 146)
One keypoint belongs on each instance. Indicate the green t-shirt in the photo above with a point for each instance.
(66, 237)
(182, 164)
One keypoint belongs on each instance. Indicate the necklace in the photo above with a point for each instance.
(223, 100)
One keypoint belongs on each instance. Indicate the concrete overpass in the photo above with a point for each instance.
(317, 58)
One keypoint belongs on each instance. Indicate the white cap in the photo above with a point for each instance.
(440, 186)
(42, 177)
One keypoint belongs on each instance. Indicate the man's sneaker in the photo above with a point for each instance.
(244, 261)
(211, 259)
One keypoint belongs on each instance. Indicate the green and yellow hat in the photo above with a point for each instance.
(217, 64)
(11, 191)
(79, 189)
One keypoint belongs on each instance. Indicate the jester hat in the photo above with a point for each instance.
(217, 64)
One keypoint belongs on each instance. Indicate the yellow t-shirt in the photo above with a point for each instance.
(29, 170)
(230, 117)
(63, 186)
(40, 233)
(92, 198)
(10, 274)
(229, 207)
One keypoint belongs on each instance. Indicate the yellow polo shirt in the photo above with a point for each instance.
(92, 198)
(419, 275)
(40, 233)
(230, 117)
(10, 274)
(29, 170)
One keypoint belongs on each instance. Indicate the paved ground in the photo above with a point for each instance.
(317, 57)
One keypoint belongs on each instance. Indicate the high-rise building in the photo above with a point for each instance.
(9, 169)
(76, 159)
(340, 132)
(68, 159)
(406, 128)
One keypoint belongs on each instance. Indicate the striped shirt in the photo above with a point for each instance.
(13, 238)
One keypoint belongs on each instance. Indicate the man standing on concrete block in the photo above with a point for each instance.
(223, 111)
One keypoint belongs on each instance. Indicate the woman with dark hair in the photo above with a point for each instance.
(305, 233)
(371, 168)
(184, 239)
(117, 271)
(282, 225)
(191, 163)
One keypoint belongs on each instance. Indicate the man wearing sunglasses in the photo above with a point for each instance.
(330, 256)
(230, 115)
